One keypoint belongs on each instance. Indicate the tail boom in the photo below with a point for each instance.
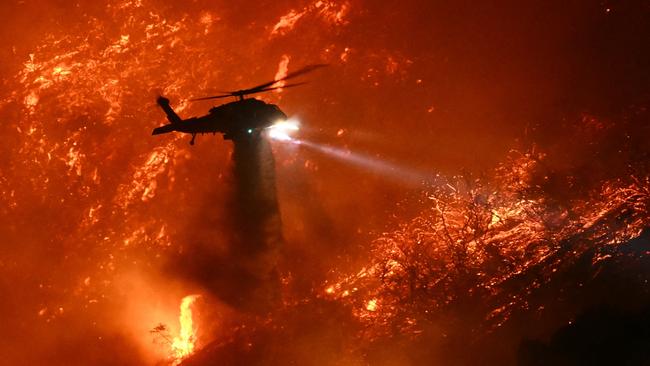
(163, 129)
(172, 117)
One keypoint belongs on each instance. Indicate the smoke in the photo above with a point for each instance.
(235, 256)
(88, 196)
(258, 232)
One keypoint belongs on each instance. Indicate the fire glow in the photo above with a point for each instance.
(86, 196)
(183, 345)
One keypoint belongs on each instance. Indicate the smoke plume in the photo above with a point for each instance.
(235, 255)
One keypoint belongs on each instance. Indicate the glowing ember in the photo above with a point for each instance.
(287, 22)
(372, 305)
(183, 345)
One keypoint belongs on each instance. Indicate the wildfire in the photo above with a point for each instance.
(183, 345)
(88, 199)
(328, 11)
(283, 67)
(372, 305)
(485, 242)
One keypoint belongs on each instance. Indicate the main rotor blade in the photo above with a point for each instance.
(304, 70)
(265, 86)
(279, 87)
(212, 97)
(253, 92)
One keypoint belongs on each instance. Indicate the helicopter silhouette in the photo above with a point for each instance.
(235, 120)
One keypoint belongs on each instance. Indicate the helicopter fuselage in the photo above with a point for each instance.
(234, 120)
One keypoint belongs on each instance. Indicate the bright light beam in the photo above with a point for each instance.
(394, 172)
(282, 130)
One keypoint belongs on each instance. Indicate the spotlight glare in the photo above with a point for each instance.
(281, 130)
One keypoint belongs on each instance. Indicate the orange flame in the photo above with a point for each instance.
(183, 345)
(283, 68)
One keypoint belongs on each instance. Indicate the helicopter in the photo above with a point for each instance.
(240, 119)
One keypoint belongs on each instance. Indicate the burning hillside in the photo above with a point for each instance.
(399, 226)
(484, 257)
